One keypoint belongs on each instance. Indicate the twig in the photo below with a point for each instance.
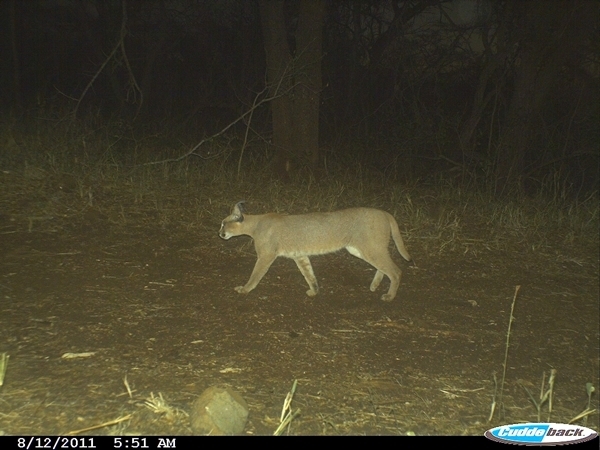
(102, 425)
(3, 366)
(132, 81)
(288, 419)
(549, 393)
(493, 407)
(510, 321)
(126, 383)
(583, 415)
(287, 415)
(288, 400)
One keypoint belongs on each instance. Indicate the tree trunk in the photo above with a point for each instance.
(551, 37)
(487, 86)
(279, 62)
(16, 84)
(519, 127)
(296, 81)
(155, 46)
(307, 70)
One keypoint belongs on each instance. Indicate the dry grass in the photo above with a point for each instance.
(54, 180)
(50, 181)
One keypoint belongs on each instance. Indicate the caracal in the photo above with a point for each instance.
(364, 232)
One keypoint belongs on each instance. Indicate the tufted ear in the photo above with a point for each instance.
(238, 211)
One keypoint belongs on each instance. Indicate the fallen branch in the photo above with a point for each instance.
(102, 425)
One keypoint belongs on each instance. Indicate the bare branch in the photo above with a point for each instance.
(257, 103)
(132, 81)
(120, 45)
(89, 85)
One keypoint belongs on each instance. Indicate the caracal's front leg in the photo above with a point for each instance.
(260, 269)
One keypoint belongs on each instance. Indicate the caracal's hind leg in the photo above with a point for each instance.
(305, 267)
(385, 266)
(376, 280)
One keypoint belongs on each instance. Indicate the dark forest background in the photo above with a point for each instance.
(499, 94)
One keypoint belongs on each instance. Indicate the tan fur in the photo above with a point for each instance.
(364, 232)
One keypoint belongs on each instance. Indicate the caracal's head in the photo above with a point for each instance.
(232, 224)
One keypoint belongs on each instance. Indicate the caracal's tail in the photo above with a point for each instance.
(398, 238)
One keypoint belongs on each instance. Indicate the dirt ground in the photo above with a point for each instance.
(155, 306)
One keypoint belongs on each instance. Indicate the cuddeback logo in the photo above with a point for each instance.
(540, 434)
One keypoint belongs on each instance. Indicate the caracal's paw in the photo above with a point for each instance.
(241, 290)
